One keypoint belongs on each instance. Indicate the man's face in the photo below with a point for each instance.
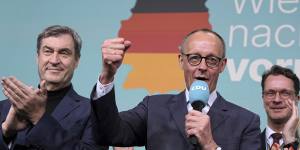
(276, 105)
(203, 44)
(56, 61)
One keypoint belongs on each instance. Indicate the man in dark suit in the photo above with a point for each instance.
(165, 122)
(52, 116)
(281, 108)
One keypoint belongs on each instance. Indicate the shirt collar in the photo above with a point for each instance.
(211, 99)
(269, 139)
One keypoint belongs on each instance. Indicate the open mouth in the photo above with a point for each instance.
(201, 78)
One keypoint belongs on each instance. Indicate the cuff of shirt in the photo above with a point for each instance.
(102, 90)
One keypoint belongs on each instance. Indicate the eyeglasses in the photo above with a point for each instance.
(210, 61)
(284, 94)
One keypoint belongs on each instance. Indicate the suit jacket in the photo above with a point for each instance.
(263, 140)
(69, 127)
(158, 122)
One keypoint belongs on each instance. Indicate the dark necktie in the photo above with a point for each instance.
(276, 137)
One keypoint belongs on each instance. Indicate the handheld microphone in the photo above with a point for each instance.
(198, 97)
(198, 94)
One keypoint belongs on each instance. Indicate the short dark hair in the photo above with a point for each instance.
(278, 70)
(57, 30)
(205, 30)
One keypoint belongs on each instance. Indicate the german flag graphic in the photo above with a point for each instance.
(156, 29)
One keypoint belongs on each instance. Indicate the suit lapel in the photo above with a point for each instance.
(68, 103)
(218, 112)
(178, 108)
(263, 139)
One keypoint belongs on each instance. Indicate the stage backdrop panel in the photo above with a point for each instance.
(258, 34)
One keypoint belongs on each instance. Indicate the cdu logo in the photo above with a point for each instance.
(199, 87)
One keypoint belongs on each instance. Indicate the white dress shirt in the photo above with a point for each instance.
(269, 139)
(102, 90)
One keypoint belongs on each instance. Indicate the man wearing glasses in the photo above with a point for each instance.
(165, 122)
(280, 89)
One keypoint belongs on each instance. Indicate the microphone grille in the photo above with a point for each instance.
(199, 91)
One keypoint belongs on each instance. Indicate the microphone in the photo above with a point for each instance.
(198, 97)
(198, 94)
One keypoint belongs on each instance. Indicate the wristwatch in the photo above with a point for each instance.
(294, 145)
(218, 148)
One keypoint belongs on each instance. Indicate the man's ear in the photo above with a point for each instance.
(223, 64)
(297, 100)
(180, 61)
(37, 58)
(77, 62)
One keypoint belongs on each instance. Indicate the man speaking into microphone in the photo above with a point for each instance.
(168, 122)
